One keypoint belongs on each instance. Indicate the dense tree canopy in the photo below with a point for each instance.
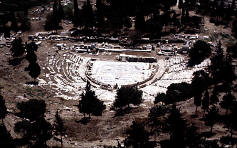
(160, 97)
(76, 18)
(126, 96)
(176, 126)
(32, 109)
(33, 129)
(211, 117)
(200, 51)
(156, 116)
(178, 92)
(30, 52)
(221, 68)
(34, 70)
(87, 14)
(53, 19)
(227, 101)
(17, 48)
(34, 134)
(200, 82)
(89, 103)
(137, 136)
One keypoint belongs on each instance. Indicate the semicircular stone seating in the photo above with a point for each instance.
(65, 76)
(62, 75)
(176, 72)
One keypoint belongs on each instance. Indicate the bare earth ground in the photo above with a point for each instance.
(104, 130)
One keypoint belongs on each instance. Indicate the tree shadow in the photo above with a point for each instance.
(207, 134)
(15, 61)
(84, 120)
(32, 83)
(122, 112)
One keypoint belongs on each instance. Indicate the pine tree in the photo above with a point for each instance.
(227, 101)
(33, 127)
(232, 120)
(197, 101)
(3, 108)
(214, 98)
(53, 19)
(30, 52)
(56, 16)
(13, 21)
(221, 67)
(31, 57)
(205, 102)
(88, 15)
(200, 51)
(32, 109)
(24, 22)
(159, 97)
(211, 117)
(155, 115)
(228, 70)
(17, 47)
(6, 32)
(60, 10)
(140, 21)
(200, 82)
(59, 127)
(99, 14)
(126, 96)
(176, 126)
(192, 138)
(31, 47)
(89, 103)
(137, 136)
(34, 70)
(187, 5)
(55, 8)
(75, 14)
(219, 50)
(181, 6)
(217, 63)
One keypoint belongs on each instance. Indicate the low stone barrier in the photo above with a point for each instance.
(109, 87)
